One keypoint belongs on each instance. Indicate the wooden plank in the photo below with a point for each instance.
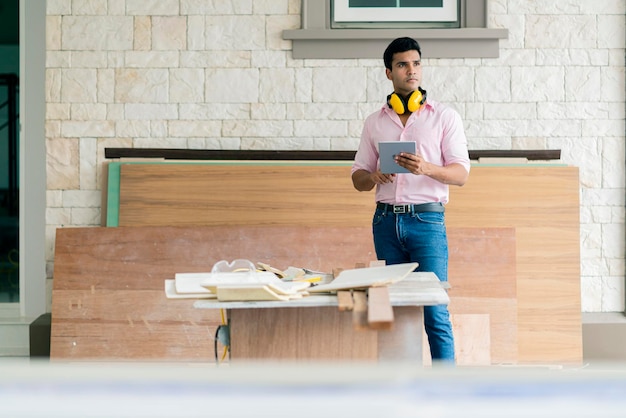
(129, 324)
(404, 340)
(542, 204)
(484, 282)
(321, 333)
(483, 262)
(142, 257)
(359, 311)
(197, 194)
(472, 334)
(344, 300)
(379, 310)
(503, 330)
(109, 283)
(238, 155)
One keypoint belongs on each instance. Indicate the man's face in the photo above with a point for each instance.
(406, 72)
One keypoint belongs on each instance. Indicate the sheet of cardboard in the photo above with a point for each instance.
(366, 277)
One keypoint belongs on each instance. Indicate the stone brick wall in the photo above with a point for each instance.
(216, 74)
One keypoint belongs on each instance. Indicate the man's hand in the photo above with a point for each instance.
(454, 174)
(365, 181)
(414, 163)
(378, 177)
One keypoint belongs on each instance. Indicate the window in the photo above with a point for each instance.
(395, 13)
(321, 37)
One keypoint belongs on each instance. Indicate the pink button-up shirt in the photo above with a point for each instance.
(440, 139)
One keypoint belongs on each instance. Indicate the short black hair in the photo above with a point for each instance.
(400, 45)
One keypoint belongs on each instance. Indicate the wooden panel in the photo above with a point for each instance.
(472, 333)
(542, 204)
(503, 327)
(197, 194)
(322, 333)
(109, 302)
(294, 155)
(108, 290)
(401, 342)
(379, 311)
(137, 258)
(484, 262)
(482, 275)
(539, 202)
(123, 324)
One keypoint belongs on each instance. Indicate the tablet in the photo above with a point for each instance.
(387, 150)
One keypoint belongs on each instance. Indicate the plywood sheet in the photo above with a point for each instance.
(109, 323)
(139, 257)
(503, 331)
(108, 290)
(108, 298)
(201, 194)
(322, 333)
(542, 204)
(539, 202)
(472, 333)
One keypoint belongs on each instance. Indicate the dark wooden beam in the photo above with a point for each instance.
(197, 154)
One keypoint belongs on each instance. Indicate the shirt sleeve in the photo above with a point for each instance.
(366, 157)
(454, 143)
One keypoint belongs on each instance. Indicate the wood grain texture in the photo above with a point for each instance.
(344, 300)
(139, 257)
(404, 340)
(128, 324)
(472, 334)
(321, 333)
(196, 194)
(379, 311)
(540, 203)
(359, 311)
(108, 282)
(483, 280)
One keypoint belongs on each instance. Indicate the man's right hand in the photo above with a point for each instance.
(365, 181)
(380, 178)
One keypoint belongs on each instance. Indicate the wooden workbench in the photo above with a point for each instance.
(313, 328)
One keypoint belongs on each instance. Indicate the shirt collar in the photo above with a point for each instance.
(427, 105)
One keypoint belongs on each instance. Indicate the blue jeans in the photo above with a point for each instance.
(419, 237)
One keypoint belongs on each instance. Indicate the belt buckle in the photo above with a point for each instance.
(399, 209)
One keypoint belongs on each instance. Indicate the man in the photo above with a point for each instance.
(409, 222)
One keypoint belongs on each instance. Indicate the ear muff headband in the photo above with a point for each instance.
(411, 103)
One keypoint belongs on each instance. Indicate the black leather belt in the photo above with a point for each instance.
(423, 207)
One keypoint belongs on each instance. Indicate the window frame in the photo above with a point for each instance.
(317, 39)
(344, 16)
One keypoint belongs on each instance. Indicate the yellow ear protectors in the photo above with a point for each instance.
(411, 103)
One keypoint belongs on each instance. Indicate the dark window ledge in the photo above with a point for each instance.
(195, 154)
